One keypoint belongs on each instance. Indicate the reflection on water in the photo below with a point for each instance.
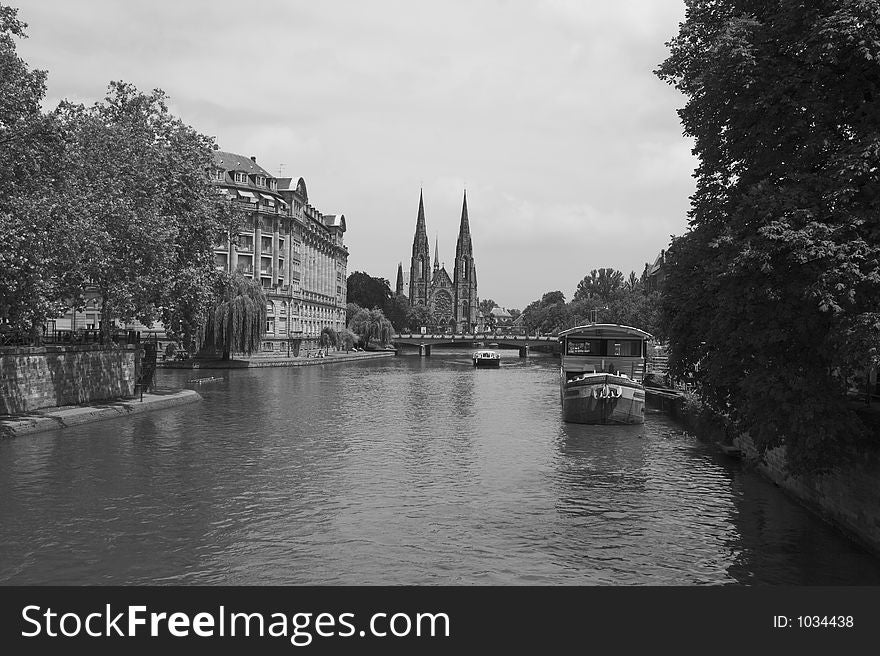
(400, 471)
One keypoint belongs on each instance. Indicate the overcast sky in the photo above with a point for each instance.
(546, 111)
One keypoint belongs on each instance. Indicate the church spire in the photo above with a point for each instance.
(398, 288)
(436, 252)
(420, 262)
(465, 277)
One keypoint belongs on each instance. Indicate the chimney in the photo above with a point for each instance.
(253, 159)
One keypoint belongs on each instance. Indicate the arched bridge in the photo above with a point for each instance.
(424, 341)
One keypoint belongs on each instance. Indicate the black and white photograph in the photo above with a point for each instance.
(492, 310)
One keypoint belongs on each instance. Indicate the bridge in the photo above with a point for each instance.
(522, 342)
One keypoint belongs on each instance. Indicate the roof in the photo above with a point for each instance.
(335, 221)
(233, 162)
(610, 330)
(499, 312)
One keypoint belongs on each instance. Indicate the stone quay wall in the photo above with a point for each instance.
(32, 378)
(848, 497)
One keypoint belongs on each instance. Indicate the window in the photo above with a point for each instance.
(265, 265)
(584, 347)
(220, 261)
(245, 264)
(219, 174)
(266, 244)
(246, 242)
(241, 177)
(260, 180)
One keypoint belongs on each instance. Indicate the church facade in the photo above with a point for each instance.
(452, 300)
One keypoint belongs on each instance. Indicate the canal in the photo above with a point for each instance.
(404, 470)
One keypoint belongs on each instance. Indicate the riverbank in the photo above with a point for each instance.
(48, 419)
(261, 360)
(847, 497)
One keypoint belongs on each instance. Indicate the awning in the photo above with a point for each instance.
(248, 194)
(268, 197)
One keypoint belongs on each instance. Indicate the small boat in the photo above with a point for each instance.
(484, 358)
(600, 378)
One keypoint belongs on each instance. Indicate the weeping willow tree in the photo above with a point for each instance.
(238, 320)
(371, 324)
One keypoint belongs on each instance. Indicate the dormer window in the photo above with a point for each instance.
(219, 174)
(260, 180)
(241, 177)
(273, 184)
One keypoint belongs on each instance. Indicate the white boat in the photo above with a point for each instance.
(600, 378)
(485, 358)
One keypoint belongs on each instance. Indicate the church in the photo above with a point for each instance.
(452, 300)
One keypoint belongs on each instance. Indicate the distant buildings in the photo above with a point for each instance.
(295, 251)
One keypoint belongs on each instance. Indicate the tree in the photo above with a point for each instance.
(328, 337)
(486, 306)
(238, 321)
(418, 316)
(371, 324)
(39, 247)
(396, 309)
(600, 285)
(140, 180)
(345, 339)
(548, 315)
(367, 291)
(772, 295)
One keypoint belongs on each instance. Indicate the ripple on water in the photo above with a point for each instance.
(401, 471)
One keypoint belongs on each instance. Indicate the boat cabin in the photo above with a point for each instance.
(604, 348)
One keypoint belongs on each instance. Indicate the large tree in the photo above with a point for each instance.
(139, 177)
(371, 324)
(39, 245)
(367, 291)
(772, 295)
(599, 285)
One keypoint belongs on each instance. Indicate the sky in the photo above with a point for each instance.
(547, 112)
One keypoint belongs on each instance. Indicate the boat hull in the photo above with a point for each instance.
(603, 399)
(487, 363)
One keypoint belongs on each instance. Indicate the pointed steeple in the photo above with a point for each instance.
(436, 253)
(420, 262)
(465, 227)
(465, 276)
(398, 288)
(463, 245)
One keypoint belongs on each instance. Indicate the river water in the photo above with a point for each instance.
(404, 470)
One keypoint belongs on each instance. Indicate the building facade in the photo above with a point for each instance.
(452, 300)
(296, 252)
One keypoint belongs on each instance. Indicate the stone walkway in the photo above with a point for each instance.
(61, 417)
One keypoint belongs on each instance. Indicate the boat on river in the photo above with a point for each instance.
(486, 358)
(601, 374)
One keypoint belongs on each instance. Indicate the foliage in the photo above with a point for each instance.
(418, 316)
(351, 309)
(550, 314)
(771, 297)
(367, 291)
(371, 324)
(151, 215)
(486, 306)
(396, 310)
(600, 285)
(39, 247)
(238, 320)
(345, 339)
(328, 337)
